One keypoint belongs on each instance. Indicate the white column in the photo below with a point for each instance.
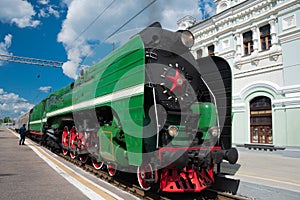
(238, 48)
(205, 50)
(274, 39)
(216, 44)
(255, 38)
(238, 45)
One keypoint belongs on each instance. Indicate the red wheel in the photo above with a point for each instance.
(111, 170)
(144, 172)
(65, 137)
(73, 137)
(97, 165)
(81, 140)
(65, 151)
(83, 159)
(72, 154)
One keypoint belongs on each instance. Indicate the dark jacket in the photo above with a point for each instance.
(22, 130)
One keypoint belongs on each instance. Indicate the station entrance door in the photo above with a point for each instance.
(261, 120)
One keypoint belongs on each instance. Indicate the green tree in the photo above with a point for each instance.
(6, 120)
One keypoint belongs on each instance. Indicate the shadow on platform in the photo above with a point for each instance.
(226, 184)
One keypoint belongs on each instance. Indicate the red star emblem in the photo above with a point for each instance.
(177, 81)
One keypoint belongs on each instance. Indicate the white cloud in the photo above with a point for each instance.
(67, 2)
(45, 89)
(207, 7)
(78, 40)
(4, 46)
(44, 2)
(25, 22)
(12, 105)
(53, 11)
(48, 11)
(43, 13)
(18, 12)
(70, 69)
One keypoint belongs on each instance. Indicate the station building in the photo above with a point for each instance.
(261, 42)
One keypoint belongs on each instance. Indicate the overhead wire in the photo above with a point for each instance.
(127, 22)
(112, 34)
(122, 26)
(58, 64)
(98, 16)
(81, 33)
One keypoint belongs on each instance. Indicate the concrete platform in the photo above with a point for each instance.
(32, 172)
(273, 175)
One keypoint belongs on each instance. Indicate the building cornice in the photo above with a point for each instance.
(289, 36)
(286, 103)
(239, 16)
(266, 69)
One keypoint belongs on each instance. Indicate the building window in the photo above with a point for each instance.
(265, 37)
(248, 43)
(199, 53)
(261, 120)
(211, 50)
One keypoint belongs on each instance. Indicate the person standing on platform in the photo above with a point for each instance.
(22, 132)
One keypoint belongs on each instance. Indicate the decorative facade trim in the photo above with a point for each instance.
(238, 107)
(288, 22)
(267, 85)
(261, 70)
(260, 84)
(289, 36)
(239, 17)
(286, 103)
(186, 22)
(259, 40)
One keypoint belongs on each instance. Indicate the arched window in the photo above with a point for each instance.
(261, 120)
(223, 6)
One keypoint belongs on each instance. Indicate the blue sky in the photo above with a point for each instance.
(73, 32)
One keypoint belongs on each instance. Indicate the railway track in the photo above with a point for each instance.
(124, 181)
(127, 182)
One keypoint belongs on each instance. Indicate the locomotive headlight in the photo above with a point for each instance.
(155, 39)
(187, 38)
(173, 131)
(214, 131)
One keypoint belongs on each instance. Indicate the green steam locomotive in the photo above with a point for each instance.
(148, 108)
